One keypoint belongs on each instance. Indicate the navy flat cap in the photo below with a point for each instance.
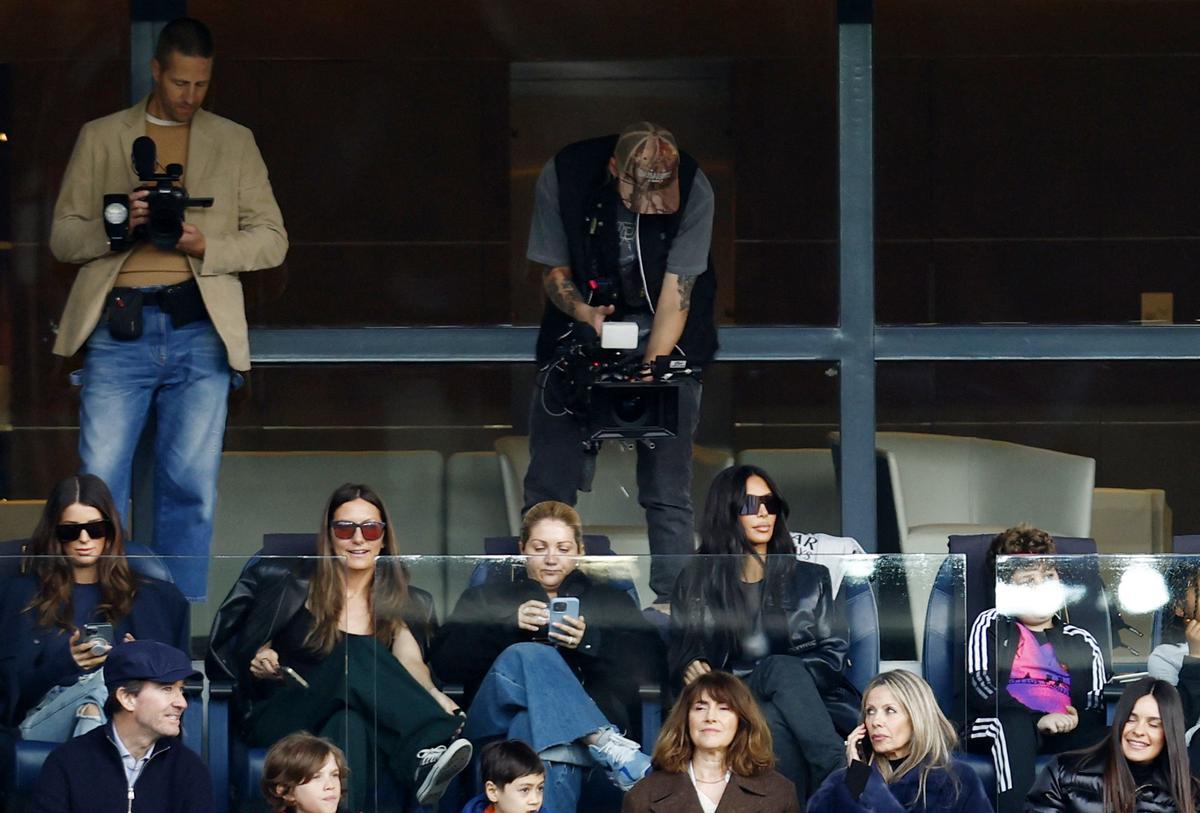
(146, 660)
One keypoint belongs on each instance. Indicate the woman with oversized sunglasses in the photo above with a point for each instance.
(338, 648)
(78, 597)
(748, 606)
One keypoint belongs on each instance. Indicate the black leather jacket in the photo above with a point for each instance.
(261, 603)
(801, 620)
(1075, 785)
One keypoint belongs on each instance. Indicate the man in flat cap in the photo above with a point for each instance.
(621, 231)
(136, 762)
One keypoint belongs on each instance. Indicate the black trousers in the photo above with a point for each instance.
(807, 746)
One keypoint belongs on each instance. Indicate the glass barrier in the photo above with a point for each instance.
(496, 653)
(1058, 641)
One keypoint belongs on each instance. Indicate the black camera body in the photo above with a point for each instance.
(608, 392)
(167, 202)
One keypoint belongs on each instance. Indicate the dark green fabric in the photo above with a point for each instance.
(364, 700)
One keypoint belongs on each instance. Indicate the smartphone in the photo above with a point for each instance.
(865, 749)
(294, 675)
(559, 607)
(100, 636)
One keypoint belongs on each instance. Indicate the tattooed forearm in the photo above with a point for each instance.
(561, 290)
(685, 292)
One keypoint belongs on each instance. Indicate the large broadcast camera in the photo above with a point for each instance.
(167, 202)
(603, 382)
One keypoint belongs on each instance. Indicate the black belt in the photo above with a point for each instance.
(158, 297)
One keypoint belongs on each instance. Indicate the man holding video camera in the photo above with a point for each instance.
(622, 228)
(164, 325)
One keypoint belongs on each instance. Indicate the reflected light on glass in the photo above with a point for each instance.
(859, 568)
(1141, 590)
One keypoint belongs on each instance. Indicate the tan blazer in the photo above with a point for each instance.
(243, 231)
(673, 793)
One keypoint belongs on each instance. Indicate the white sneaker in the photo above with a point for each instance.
(437, 766)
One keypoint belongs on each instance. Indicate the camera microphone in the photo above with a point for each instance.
(145, 156)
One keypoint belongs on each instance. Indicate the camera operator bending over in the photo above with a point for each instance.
(162, 319)
(622, 227)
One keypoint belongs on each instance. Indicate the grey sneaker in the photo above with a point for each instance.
(621, 758)
(437, 766)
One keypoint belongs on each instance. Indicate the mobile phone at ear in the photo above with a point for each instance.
(864, 748)
(561, 607)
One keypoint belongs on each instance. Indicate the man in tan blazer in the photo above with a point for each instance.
(164, 328)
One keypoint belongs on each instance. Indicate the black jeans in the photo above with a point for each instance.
(664, 479)
(807, 746)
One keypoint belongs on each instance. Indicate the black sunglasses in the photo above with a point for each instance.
(751, 502)
(96, 529)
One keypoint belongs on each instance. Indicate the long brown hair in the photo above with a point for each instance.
(294, 760)
(52, 570)
(326, 592)
(752, 751)
(1120, 789)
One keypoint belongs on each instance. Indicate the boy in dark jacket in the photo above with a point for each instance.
(513, 779)
(136, 762)
(1035, 683)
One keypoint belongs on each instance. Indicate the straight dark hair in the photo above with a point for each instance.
(185, 36)
(1120, 790)
(52, 571)
(505, 761)
(719, 579)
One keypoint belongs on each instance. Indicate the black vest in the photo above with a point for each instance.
(586, 192)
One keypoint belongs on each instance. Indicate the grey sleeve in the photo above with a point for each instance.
(1165, 662)
(547, 237)
(689, 250)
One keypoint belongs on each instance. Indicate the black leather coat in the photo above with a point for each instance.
(1074, 785)
(801, 619)
(262, 602)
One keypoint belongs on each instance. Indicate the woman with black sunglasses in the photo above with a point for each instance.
(751, 608)
(76, 579)
(338, 647)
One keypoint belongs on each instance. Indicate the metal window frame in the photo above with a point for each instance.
(856, 344)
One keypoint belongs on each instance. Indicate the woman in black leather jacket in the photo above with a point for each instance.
(752, 609)
(317, 647)
(1141, 767)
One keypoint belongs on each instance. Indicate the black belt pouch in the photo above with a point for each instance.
(184, 303)
(125, 313)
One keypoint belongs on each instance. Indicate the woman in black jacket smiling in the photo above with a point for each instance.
(338, 648)
(752, 609)
(1141, 767)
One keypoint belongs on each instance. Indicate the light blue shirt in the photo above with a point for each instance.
(133, 766)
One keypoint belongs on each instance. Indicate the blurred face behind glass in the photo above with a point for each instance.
(888, 724)
(86, 550)
(1040, 584)
(550, 553)
(1142, 737)
(711, 725)
(759, 527)
(360, 554)
(180, 85)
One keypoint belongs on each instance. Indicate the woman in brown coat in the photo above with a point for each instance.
(714, 753)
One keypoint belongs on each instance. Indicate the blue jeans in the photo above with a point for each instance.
(184, 375)
(54, 718)
(664, 479)
(530, 694)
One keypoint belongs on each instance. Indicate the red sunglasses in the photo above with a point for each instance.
(372, 529)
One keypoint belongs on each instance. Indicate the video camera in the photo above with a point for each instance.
(166, 200)
(605, 387)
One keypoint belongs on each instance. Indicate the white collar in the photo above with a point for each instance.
(163, 122)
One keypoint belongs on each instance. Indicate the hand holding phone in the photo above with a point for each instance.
(100, 637)
(858, 746)
(566, 626)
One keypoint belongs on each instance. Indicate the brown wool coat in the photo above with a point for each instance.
(673, 793)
